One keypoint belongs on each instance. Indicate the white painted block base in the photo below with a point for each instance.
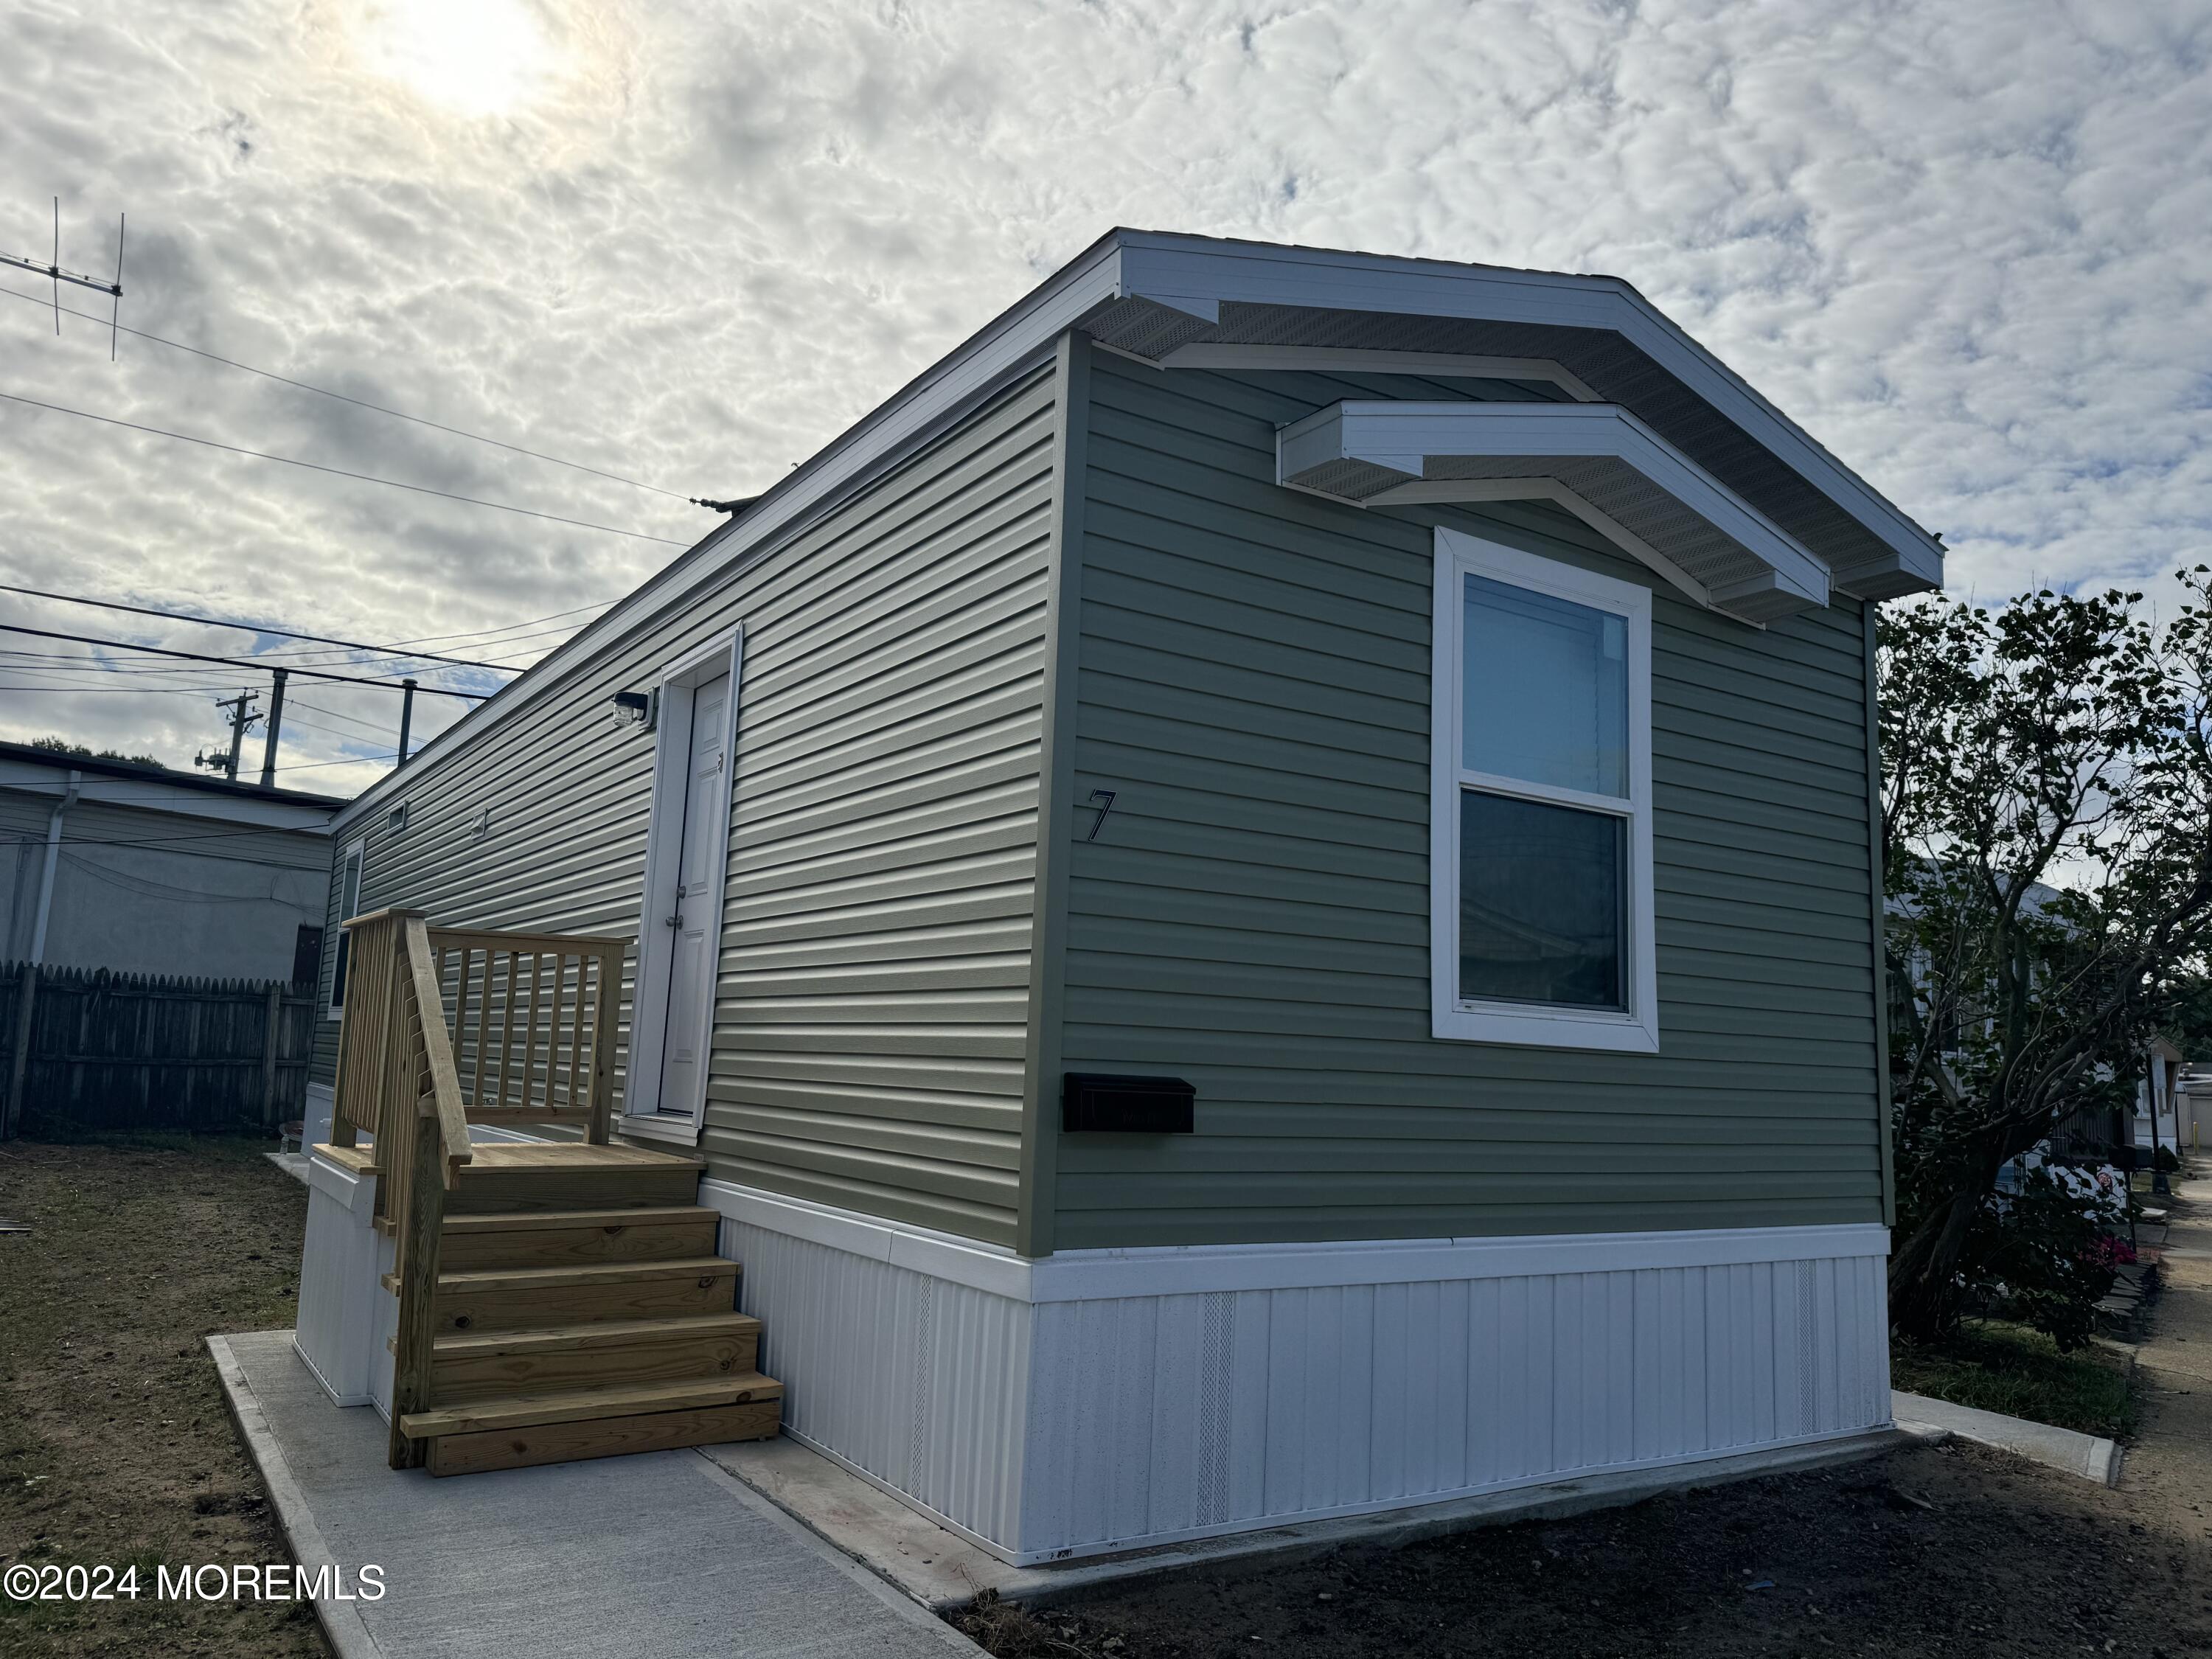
(1102, 1401)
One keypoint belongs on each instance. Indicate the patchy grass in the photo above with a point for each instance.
(114, 1445)
(2003, 1367)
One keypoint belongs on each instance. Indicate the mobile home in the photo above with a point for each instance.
(1255, 899)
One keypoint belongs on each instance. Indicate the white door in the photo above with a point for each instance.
(688, 908)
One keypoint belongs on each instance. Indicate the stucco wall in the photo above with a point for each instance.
(154, 892)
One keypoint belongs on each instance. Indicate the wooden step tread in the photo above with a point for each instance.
(608, 1334)
(586, 1405)
(517, 1221)
(601, 1436)
(594, 1272)
(634, 1271)
(524, 1159)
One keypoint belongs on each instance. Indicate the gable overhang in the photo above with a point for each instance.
(1196, 303)
(1190, 302)
(1596, 460)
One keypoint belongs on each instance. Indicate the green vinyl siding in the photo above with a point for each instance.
(871, 1002)
(1254, 917)
(1248, 668)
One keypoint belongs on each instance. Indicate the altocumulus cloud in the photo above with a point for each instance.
(1965, 243)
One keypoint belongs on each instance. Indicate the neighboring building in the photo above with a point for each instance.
(1425, 709)
(107, 863)
(2158, 1118)
(2193, 1108)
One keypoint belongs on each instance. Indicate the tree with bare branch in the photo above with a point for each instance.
(2047, 850)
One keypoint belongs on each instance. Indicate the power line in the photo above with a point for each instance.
(249, 627)
(339, 471)
(360, 402)
(247, 663)
(57, 662)
(121, 690)
(480, 633)
(393, 656)
(395, 653)
(332, 714)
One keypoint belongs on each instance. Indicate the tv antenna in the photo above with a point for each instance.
(53, 269)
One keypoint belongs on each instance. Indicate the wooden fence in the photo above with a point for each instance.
(91, 1049)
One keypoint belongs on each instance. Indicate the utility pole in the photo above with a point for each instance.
(242, 714)
(276, 676)
(406, 715)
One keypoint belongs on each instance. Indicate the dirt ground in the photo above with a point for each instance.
(114, 1445)
(1931, 1551)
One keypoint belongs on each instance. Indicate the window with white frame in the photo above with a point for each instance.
(350, 863)
(1540, 803)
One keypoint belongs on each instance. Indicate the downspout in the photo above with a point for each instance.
(54, 859)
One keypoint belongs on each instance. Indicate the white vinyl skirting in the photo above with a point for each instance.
(1102, 1401)
(344, 1313)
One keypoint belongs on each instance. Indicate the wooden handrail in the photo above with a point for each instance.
(443, 1099)
(570, 943)
(408, 1025)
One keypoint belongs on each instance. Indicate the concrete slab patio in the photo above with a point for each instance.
(656, 1556)
(943, 1571)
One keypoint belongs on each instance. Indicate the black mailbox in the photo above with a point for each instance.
(1099, 1102)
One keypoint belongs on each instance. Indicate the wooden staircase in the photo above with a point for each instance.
(580, 1311)
(557, 1300)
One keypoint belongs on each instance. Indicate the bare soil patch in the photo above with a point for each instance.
(1948, 1550)
(114, 1445)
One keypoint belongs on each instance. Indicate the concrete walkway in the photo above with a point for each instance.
(2090, 1456)
(658, 1556)
(2170, 1464)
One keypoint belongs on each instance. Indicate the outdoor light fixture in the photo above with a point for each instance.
(634, 709)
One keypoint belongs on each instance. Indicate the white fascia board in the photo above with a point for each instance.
(1399, 435)
(1255, 273)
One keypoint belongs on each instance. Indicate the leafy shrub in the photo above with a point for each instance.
(2046, 1253)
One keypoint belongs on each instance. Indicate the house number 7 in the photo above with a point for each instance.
(1105, 799)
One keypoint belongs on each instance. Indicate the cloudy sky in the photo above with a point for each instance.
(1968, 245)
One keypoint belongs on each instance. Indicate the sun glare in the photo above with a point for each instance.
(471, 57)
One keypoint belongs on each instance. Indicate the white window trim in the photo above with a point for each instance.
(1453, 1019)
(643, 1110)
(356, 848)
